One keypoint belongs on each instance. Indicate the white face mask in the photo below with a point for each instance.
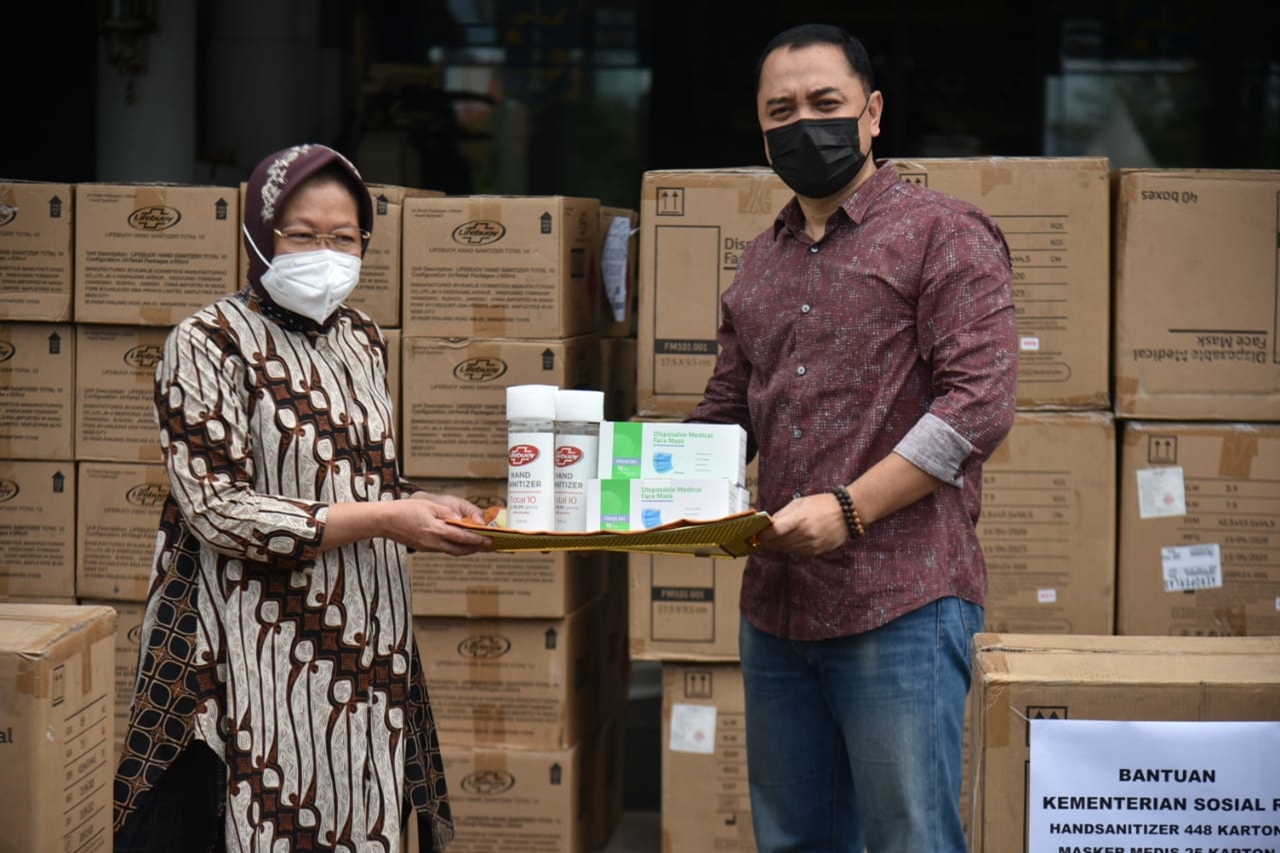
(311, 284)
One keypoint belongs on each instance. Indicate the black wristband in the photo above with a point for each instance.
(852, 520)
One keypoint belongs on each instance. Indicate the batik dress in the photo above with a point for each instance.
(298, 668)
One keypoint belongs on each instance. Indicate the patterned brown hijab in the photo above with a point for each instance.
(274, 180)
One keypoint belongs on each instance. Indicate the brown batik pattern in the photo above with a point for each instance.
(298, 668)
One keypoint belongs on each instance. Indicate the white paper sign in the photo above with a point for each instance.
(1194, 787)
(1161, 492)
(614, 265)
(1191, 567)
(693, 729)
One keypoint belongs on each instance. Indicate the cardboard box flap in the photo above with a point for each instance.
(34, 629)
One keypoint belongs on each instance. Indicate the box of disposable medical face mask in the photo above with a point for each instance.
(631, 450)
(645, 503)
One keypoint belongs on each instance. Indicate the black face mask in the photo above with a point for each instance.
(816, 157)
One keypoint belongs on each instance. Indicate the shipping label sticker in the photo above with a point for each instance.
(1191, 567)
(693, 729)
(1161, 492)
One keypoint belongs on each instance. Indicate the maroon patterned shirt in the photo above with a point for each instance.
(895, 332)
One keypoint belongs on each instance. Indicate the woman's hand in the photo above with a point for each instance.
(425, 526)
(418, 522)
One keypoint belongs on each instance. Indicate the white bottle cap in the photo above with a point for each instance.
(577, 405)
(531, 402)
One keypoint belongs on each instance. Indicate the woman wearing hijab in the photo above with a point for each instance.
(280, 702)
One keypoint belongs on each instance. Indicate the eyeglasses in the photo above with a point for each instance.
(343, 239)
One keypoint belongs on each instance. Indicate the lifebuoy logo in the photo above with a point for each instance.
(482, 368)
(147, 494)
(479, 232)
(488, 783)
(7, 349)
(7, 214)
(484, 647)
(155, 218)
(8, 490)
(144, 357)
(567, 455)
(520, 455)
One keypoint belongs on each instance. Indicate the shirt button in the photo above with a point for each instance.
(813, 250)
(796, 495)
(805, 309)
(797, 433)
(800, 370)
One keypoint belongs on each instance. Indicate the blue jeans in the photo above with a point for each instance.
(857, 741)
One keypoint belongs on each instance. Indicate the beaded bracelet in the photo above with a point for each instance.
(851, 518)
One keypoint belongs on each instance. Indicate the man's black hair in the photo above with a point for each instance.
(806, 35)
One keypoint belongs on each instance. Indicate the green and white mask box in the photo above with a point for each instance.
(615, 504)
(631, 450)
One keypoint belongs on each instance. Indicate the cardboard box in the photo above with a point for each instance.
(491, 585)
(654, 449)
(518, 799)
(116, 522)
(1020, 677)
(116, 392)
(1199, 550)
(128, 649)
(614, 504)
(37, 528)
(55, 713)
(619, 264)
(528, 683)
(684, 608)
(1197, 290)
(1048, 525)
(501, 266)
(694, 225)
(151, 254)
(706, 803)
(454, 397)
(36, 231)
(603, 760)
(1055, 213)
(618, 377)
(37, 390)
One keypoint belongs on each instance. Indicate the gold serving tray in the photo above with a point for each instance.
(730, 536)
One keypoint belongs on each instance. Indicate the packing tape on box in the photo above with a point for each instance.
(1239, 448)
(483, 600)
(1128, 389)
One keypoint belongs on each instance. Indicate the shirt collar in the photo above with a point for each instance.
(855, 206)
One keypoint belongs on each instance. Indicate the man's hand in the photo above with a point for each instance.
(807, 526)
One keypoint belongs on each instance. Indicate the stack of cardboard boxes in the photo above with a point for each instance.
(525, 654)
(1136, 494)
(1082, 501)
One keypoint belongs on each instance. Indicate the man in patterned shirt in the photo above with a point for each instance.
(868, 347)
